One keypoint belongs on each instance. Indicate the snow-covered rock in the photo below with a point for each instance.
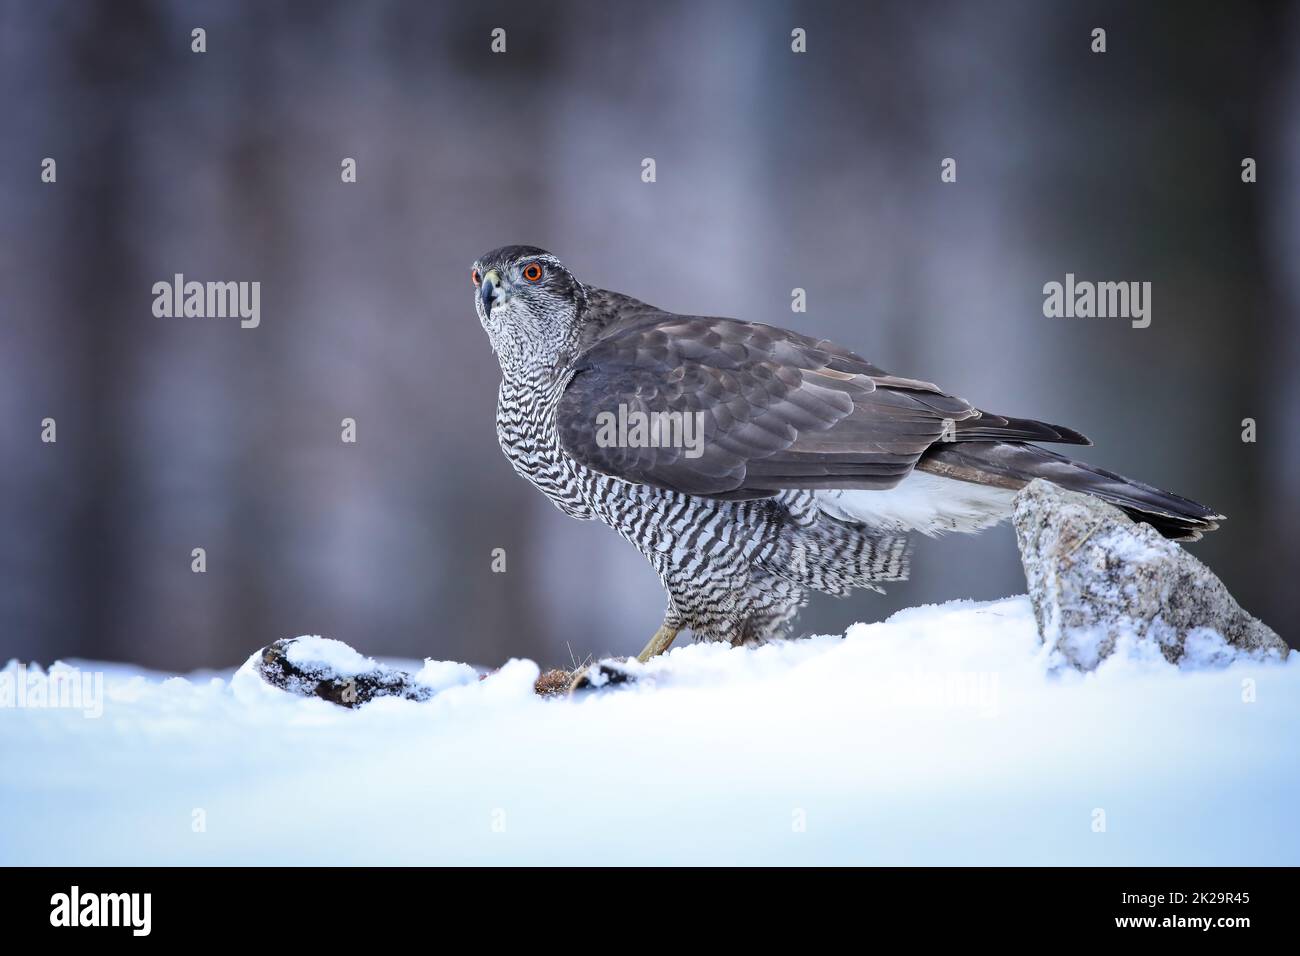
(1096, 577)
(944, 735)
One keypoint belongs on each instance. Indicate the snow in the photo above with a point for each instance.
(335, 655)
(946, 735)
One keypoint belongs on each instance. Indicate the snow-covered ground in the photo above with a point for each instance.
(944, 735)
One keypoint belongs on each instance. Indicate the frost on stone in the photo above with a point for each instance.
(1098, 579)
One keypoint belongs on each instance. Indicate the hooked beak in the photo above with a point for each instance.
(487, 292)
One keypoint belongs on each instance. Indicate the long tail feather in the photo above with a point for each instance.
(1013, 465)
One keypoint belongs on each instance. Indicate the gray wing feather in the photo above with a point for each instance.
(779, 410)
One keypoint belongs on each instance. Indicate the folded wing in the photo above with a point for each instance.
(777, 410)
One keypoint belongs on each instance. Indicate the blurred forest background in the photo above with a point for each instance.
(775, 170)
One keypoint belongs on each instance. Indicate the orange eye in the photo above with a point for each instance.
(475, 277)
(532, 272)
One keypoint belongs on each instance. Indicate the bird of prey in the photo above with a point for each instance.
(807, 467)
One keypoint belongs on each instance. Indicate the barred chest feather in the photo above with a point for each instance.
(529, 439)
(660, 523)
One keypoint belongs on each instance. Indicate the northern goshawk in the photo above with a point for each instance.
(748, 463)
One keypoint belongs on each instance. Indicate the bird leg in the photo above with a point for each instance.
(611, 673)
(662, 640)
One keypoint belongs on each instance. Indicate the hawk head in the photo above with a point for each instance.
(529, 303)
